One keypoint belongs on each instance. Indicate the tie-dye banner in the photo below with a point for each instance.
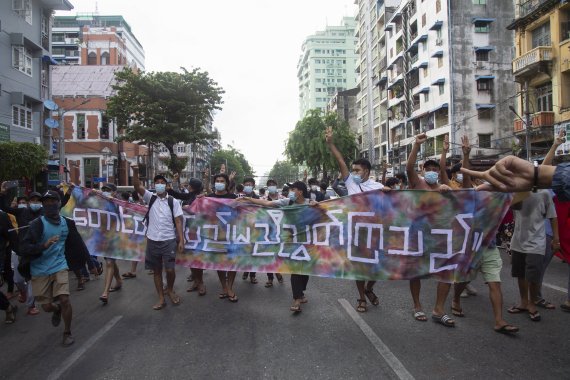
(378, 236)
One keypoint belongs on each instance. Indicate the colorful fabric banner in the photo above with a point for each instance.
(378, 236)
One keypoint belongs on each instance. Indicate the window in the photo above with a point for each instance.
(426, 97)
(482, 55)
(80, 117)
(437, 6)
(484, 85)
(541, 36)
(544, 98)
(439, 61)
(480, 2)
(181, 149)
(23, 8)
(426, 72)
(424, 20)
(441, 89)
(104, 132)
(22, 115)
(482, 27)
(22, 59)
(485, 140)
(105, 59)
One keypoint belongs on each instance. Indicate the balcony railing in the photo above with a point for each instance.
(536, 55)
(539, 119)
(527, 7)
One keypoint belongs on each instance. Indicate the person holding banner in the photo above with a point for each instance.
(165, 228)
(356, 182)
(429, 182)
(227, 278)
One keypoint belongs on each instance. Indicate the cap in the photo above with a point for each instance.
(110, 186)
(299, 185)
(50, 194)
(34, 194)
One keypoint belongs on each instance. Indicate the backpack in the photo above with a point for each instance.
(170, 204)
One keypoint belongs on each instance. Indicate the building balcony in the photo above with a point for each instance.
(536, 60)
(538, 120)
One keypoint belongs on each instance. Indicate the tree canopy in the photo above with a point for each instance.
(306, 143)
(26, 160)
(233, 160)
(284, 171)
(165, 108)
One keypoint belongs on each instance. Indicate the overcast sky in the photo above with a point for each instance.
(250, 47)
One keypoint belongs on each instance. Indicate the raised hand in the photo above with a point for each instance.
(465, 147)
(561, 138)
(329, 135)
(232, 175)
(421, 138)
(223, 169)
(445, 143)
(508, 174)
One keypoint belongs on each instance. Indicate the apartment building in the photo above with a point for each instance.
(343, 103)
(326, 65)
(25, 78)
(449, 73)
(92, 39)
(541, 67)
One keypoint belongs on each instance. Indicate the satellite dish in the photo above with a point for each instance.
(50, 105)
(51, 123)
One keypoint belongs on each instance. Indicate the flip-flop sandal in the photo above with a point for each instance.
(507, 329)
(295, 308)
(202, 290)
(159, 306)
(420, 316)
(269, 284)
(545, 304)
(128, 275)
(372, 297)
(444, 319)
(104, 299)
(279, 278)
(458, 312)
(193, 288)
(223, 295)
(535, 317)
(176, 300)
(516, 310)
(253, 280)
(233, 298)
(361, 307)
(304, 300)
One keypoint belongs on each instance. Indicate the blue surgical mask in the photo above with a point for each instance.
(357, 178)
(106, 193)
(459, 178)
(272, 189)
(219, 186)
(35, 206)
(397, 187)
(22, 205)
(131, 200)
(431, 177)
(292, 196)
(247, 189)
(160, 188)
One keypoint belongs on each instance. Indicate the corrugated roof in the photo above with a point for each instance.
(77, 80)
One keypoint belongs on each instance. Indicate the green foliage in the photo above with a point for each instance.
(164, 107)
(21, 159)
(284, 171)
(306, 143)
(174, 163)
(234, 160)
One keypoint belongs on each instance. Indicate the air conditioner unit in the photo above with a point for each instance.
(439, 41)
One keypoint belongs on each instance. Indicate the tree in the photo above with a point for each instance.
(306, 143)
(21, 159)
(233, 160)
(165, 108)
(284, 171)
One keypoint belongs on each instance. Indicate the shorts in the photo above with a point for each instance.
(491, 265)
(46, 288)
(527, 266)
(160, 254)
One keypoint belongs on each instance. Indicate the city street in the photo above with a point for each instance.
(259, 337)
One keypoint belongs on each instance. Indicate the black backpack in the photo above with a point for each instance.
(170, 204)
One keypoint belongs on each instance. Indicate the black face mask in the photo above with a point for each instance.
(51, 211)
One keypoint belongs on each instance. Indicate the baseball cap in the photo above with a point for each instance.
(50, 194)
(34, 194)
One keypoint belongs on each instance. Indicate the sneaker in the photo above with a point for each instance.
(33, 311)
(67, 339)
(56, 316)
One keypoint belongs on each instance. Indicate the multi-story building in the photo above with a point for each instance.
(326, 65)
(90, 39)
(25, 79)
(449, 73)
(541, 66)
(371, 67)
(343, 103)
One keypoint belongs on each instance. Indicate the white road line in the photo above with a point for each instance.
(388, 356)
(555, 287)
(86, 346)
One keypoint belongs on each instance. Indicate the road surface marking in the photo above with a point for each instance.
(554, 287)
(86, 346)
(388, 356)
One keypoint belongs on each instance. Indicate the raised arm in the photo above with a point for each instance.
(136, 181)
(384, 171)
(261, 202)
(443, 161)
(413, 178)
(466, 149)
(559, 140)
(336, 153)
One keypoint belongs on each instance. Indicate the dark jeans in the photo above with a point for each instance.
(299, 285)
(8, 271)
(250, 274)
(4, 303)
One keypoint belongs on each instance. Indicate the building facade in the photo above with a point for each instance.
(326, 65)
(25, 78)
(541, 67)
(343, 103)
(89, 39)
(449, 74)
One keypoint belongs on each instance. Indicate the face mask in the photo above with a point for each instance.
(315, 188)
(357, 178)
(272, 189)
(51, 210)
(160, 188)
(431, 177)
(106, 193)
(459, 178)
(292, 196)
(131, 200)
(247, 189)
(35, 206)
(397, 187)
(22, 205)
(219, 186)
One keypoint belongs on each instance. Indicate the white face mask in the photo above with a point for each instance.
(459, 178)
(272, 189)
(315, 188)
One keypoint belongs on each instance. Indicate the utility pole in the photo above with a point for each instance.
(61, 145)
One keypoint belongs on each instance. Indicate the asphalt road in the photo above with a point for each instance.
(258, 337)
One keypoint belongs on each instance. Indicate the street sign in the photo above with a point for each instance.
(99, 179)
(4, 132)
